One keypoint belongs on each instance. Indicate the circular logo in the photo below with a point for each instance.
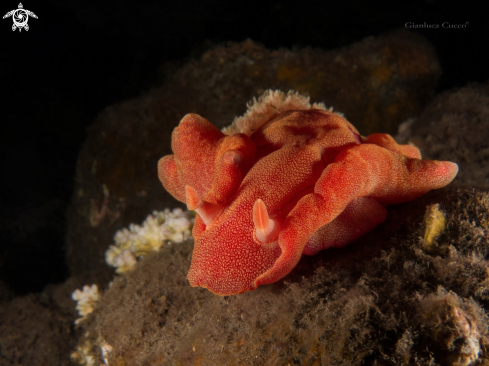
(20, 17)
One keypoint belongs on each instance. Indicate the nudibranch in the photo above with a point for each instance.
(288, 178)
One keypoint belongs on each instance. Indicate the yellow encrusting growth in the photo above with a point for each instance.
(435, 224)
(137, 241)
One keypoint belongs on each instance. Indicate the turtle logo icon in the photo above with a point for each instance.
(20, 17)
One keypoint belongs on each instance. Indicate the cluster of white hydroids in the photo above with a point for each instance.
(159, 228)
(85, 300)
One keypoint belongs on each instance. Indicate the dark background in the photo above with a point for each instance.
(81, 56)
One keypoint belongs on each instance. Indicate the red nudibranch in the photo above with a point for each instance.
(287, 178)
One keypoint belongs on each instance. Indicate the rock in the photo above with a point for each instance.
(373, 302)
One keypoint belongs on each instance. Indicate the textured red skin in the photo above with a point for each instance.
(326, 185)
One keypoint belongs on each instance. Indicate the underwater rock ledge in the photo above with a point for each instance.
(385, 299)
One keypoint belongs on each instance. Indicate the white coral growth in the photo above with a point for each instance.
(137, 241)
(270, 104)
(84, 354)
(86, 300)
(87, 349)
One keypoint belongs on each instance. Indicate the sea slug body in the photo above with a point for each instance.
(286, 179)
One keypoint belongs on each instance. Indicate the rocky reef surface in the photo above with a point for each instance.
(396, 296)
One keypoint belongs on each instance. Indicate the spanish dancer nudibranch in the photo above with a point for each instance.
(287, 178)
